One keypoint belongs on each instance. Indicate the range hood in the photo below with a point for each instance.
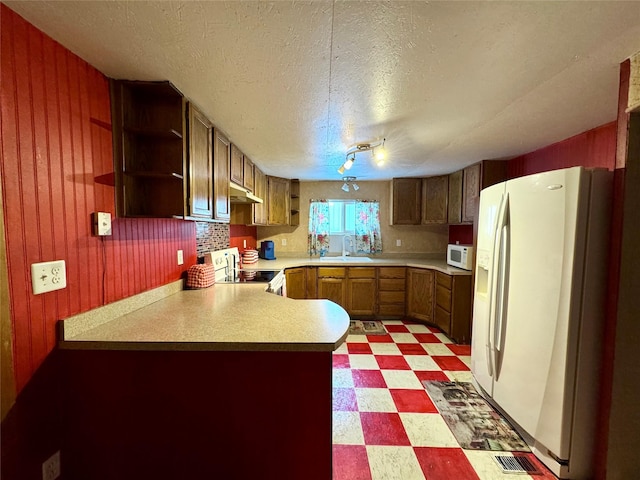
(238, 194)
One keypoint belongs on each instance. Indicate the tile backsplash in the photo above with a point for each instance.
(211, 236)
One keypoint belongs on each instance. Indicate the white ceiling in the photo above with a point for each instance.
(295, 84)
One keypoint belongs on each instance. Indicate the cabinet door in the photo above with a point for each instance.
(455, 198)
(333, 289)
(236, 173)
(222, 207)
(312, 282)
(470, 192)
(420, 294)
(296, 282)
(260, 190)
(435, 192)
(279, 200)
(361, 296)
(248, 177)
(200, 165)
(406, 199)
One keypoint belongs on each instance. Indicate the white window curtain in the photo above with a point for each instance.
(368, 235)
(318, 240)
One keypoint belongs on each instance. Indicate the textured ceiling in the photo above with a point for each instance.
(295, 84)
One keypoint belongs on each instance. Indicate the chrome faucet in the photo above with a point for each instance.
(344, 245)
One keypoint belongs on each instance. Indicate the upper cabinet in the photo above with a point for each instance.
(476, 177)
(236, 174)
(200, 165)
(454, 207)
(149, 149)
(279, 201)
(435, 192)
(406, 195)
(260, 191)
(221, 161)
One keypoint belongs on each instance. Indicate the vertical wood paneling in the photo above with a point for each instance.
(55, 141)
(593, 148)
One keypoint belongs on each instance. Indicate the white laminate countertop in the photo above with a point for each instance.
(224, 317)
(283, 262)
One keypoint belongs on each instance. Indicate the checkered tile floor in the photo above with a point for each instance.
(385, 427)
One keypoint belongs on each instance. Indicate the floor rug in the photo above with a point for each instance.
(474, 423)
(366, 327)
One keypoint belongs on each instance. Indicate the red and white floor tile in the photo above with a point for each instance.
(385, 426)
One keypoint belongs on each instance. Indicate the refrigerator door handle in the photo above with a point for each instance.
(493, 282)
(501, 256)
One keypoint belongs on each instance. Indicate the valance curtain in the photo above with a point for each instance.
(318, 227)
(368, 235)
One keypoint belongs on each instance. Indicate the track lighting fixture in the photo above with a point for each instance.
(347, 181)
(377, 150)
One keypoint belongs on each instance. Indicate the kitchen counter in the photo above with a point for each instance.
(229, 317)
(283, 262)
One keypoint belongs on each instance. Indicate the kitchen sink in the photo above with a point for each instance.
(346, 259)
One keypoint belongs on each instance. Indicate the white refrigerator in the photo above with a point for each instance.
(538, 314)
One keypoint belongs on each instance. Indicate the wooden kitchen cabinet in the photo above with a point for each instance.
(301, 282)
(406, 196)
(149, 148)
(435, 198)
(260, 190)
(391, 291)
(248, 178)
(221, 150)
(361, 291)
(279, 200)
(454, 204)
(200, 165)
(453, 306)
(420, 291)
(476, 177)
(236, 167)
(332, 284)
(296, 282)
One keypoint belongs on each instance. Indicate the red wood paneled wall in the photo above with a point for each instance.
(241, 233)
(593, 148)
(56, 140)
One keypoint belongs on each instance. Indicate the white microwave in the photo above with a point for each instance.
(460, 256)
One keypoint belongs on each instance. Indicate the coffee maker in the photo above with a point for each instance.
(267, 250)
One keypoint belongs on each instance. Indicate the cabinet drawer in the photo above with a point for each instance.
(335, 272)
(396, 310)
(443, 320)
(444, 280)
(391, 297)
(392, 272)
(362, 272)
(443, 297)
(391, 284)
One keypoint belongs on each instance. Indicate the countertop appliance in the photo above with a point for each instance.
(460, 256)
(539, 305)
(267, 250)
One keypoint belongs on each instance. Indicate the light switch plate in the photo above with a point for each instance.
(48, 276)
(180, 257)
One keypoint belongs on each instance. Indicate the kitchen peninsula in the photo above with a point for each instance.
(225, 382)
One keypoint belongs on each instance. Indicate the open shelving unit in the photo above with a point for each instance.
(294, 219)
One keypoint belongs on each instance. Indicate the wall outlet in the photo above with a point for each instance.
(48, 276)
(398, 243)
(101, 223)
(51, 467)
(284, 242)
(180, 257)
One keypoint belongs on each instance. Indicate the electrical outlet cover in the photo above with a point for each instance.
(103, 223)
(48, 276)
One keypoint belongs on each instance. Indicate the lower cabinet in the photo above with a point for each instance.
(332, 285)
(301, 282)
(361, 291)
(420, 284)
(391, 291)
(453, 306)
